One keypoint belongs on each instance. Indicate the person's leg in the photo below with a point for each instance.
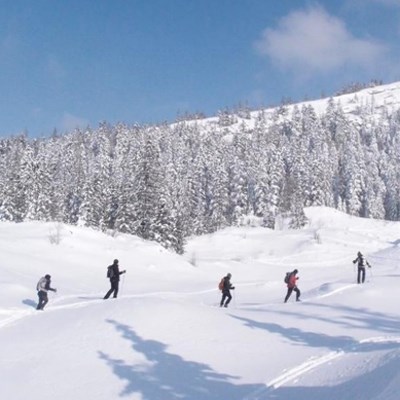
(359, 275)
(222, 299)
(363, 275)
(116, 287)
(297, 290)
(229, 296)
(43, 299)
(289, 292)
(108, 294)
(39, 306)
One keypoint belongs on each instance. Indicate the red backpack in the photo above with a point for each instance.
(221, 284)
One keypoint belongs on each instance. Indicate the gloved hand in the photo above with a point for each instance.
(233, 287)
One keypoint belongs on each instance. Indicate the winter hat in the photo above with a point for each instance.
(115, 261)
(229, 275)
(47, 276)
(295, 271)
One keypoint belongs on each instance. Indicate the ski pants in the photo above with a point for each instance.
(289, 292)
(114, 288)
(226, 294)
(361, 275)
(43, 299)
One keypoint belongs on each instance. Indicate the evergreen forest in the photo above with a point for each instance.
(170, 181)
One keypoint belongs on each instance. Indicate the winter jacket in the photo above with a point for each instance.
(227, 285)
(292, 280)
(116, 272)
(361, 262)
(44, 285)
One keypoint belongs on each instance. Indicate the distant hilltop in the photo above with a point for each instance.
(372, 100)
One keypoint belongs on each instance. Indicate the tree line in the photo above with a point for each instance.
(168, 182)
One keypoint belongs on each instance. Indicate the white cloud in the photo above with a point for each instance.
(314, 40)
(70, 122)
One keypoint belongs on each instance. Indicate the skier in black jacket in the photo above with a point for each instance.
(361, 262)
(43, 286)
(114, 274)
(226, 291)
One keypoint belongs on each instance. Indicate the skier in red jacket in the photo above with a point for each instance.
(292, 286)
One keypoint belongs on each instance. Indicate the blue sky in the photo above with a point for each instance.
(74, 63)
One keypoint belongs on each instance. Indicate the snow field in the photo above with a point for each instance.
(165, 337)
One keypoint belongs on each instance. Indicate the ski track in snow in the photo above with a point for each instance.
(315, 362)
(17, 315)
(338, 290)
(308, 299)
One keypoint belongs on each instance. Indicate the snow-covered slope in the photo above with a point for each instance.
(165, 336)
(375, 101)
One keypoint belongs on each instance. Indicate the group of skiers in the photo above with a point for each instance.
(113, 273)
(291, 281)
(44, 285)
(226, 286)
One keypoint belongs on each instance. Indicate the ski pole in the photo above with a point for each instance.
(122, 286)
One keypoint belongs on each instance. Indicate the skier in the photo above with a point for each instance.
(226, 290)
(114, 273)
(292, 286)
(43, 286)
(361, 263)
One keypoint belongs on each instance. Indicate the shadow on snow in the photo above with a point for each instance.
(30, 303)
(350, 317)
(367, 386)
(171, 377)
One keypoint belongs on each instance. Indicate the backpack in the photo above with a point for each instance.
(221, 284)
(287, 277)
(110, 272)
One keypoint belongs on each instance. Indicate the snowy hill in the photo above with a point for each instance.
(376, 101)
(374, 98)
(165, 336)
